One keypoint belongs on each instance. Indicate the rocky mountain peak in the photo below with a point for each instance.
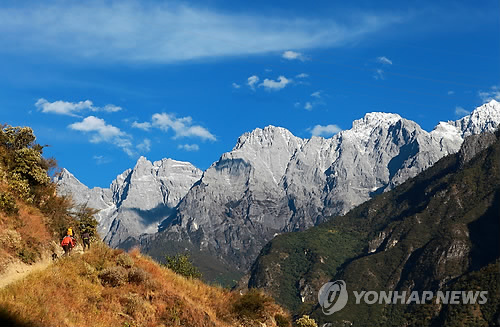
(66, 175)
(376, 119)
(483, 118)
(267, 137)
(143, 167)
(68, 183)
(376, 125)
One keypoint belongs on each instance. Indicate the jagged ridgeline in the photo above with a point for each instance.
(437, 231)
(271, 182)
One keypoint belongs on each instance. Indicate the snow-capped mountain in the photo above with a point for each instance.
(273, 181)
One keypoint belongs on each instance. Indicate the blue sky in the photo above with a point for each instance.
(104, 82)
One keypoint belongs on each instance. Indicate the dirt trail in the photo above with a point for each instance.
(18, 270)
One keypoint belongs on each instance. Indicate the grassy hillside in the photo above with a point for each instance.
(106, 287)
(426, 234)
(101, 287)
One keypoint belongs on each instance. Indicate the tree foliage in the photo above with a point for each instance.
(24, 176)
(182, 265)
(22, 163)
(85, 218)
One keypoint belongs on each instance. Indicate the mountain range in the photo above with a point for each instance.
(435, 232)
(271, 182)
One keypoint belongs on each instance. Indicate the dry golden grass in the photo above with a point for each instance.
(34, 225)
(23, 236)
(71, 293)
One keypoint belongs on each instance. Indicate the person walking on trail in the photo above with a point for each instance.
(86, 240)
(70, 232)
(67, 244)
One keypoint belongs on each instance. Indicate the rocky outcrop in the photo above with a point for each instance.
(475, 144)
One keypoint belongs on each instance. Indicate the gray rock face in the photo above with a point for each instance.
(273, 182)
(137, 200)
(239, 202)
(473, 145)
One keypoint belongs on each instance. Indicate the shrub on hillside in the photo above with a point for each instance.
(113, 276)
(138, 275)
(305, 321)
(10, 239)
(86, 221)
(251, 305)
(89, 272)
(132, 303)
(124, 260)
(57, 210)
(28, 255)
(182, 265)
(281, 320)
(8, 204)
(20, 187)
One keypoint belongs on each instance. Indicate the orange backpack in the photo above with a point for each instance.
(67, 241)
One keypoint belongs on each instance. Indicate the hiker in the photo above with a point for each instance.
(86, 240)
(67, 244)
(70, 232)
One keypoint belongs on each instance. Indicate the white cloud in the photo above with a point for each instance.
(101, 160)
(384, 60)
(316, 94)
(145, 146)
(308, 106)
(451, 92)
(102, 132)
(459, 111)
(302, 75)
(325, 131)
(151, 31)
(492, 94)
(252, 80)
(379, 74)
(182, 127)
(111, 108)
(62, 107)
(72, 108)
(270, 84)
(236, 86)
(144, 126)
(189, 147)
(292, 55)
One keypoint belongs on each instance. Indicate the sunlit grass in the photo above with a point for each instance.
(71, 293)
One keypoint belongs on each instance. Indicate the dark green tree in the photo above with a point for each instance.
(182, 265)
(85, 217)
(22, 162)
